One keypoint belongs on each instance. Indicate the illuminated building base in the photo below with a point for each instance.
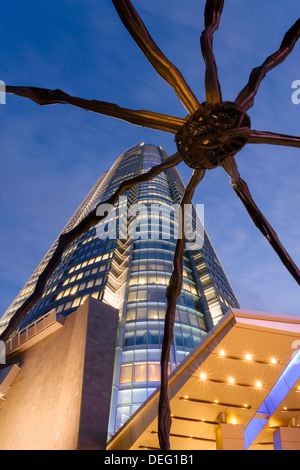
(238, 389)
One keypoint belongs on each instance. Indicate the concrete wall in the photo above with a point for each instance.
(61, 396)
(286, 438)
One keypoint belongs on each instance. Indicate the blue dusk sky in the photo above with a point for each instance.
(51, 156)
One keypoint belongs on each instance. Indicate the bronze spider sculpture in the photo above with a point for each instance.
(210, 136)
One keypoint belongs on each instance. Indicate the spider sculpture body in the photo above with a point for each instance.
(210, 136)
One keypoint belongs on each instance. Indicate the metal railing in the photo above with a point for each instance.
(30, 331)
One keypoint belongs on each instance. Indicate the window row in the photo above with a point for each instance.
(157, 279)
(159, 265)
(144, 372)
(83, 274)
(154, 244)
(137, 314)
(157, 293)
(35, 312)
(92, 253)
(165, 266)
(105, 246)
(54, 278)
(78, 301)
(156, 190)
(146, 337)
(91, 261)
(79, 287)
(70, 250)
(161, 186)
(141, 355)
(135, 395)
(151, 355)
(87, 240)
(124, 413)
(153, 254)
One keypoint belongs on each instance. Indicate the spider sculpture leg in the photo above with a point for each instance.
(245, 99)
(173, 291)
(44, 97)
(272, 138)
(241, 189)
(157, 59)
(212, 14)
(66, 238)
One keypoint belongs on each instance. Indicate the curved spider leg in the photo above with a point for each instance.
(173, 291)
(67, 237)
(212, 15)
(245, 99)
(157, 59)
(263, 137)
(44, 97)
(241, 189)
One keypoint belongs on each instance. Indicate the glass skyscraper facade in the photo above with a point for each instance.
(130, 270)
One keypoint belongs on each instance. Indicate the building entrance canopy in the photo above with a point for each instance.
(239, 388)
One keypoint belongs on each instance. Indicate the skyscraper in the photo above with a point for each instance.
(126, 262)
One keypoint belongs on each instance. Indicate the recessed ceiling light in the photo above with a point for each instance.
(222, 353)
(248, 357)
(258, 384)
(231, 380)
(203, 376)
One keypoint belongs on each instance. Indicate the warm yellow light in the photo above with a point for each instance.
(245, 405)
(248, 357)
(216, 401)
(231, 380)
(186, 397)
(203, 376)
(258, 384)
(285, 408)
(222, 353)
(273, 360)
(202, 419)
